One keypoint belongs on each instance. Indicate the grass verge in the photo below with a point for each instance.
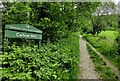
(105, 44)
(100, 66)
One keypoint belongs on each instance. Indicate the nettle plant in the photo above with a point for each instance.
(52, 61)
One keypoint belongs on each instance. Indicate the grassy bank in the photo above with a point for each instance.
(105, 44)
(100, 66)
(53, 61)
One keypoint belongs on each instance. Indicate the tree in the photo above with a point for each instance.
(103, 17)
(56, 20)
(16, 12)
(84, 15)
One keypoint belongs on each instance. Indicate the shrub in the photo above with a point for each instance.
(93, 40)
(52, 61)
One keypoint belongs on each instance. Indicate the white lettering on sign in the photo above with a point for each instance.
(25, 35)
(24, 29)
(22, 35)
(34, 36)
(27, 27)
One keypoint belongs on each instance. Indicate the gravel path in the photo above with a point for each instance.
(86, 65)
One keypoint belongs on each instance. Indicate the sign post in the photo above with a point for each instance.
(39, 44)
(23, 31)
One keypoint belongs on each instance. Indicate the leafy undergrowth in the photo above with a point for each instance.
(105, 44)
(52, 62)
(100, 66)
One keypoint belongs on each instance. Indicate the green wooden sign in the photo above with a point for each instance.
(23, 31)
(23, 27)
(17, 34)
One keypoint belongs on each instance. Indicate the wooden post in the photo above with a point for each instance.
(39, 44)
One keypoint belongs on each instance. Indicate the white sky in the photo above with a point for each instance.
(116, 1)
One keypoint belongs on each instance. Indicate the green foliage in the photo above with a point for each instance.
(93, 40)
(109, 34)
(104, 71)
(97, 24)
(118, 38)
(105, 43)
(53, 61)
(98, 21)
(118, 42)
(56, 20)
(84, 16)
(103, 22)
(16, 12)
(118, 48)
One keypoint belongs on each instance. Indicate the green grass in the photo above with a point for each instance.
(111, 35)
(100, 66)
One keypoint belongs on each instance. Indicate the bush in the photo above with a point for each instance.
(52, 61)
(93, 40)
